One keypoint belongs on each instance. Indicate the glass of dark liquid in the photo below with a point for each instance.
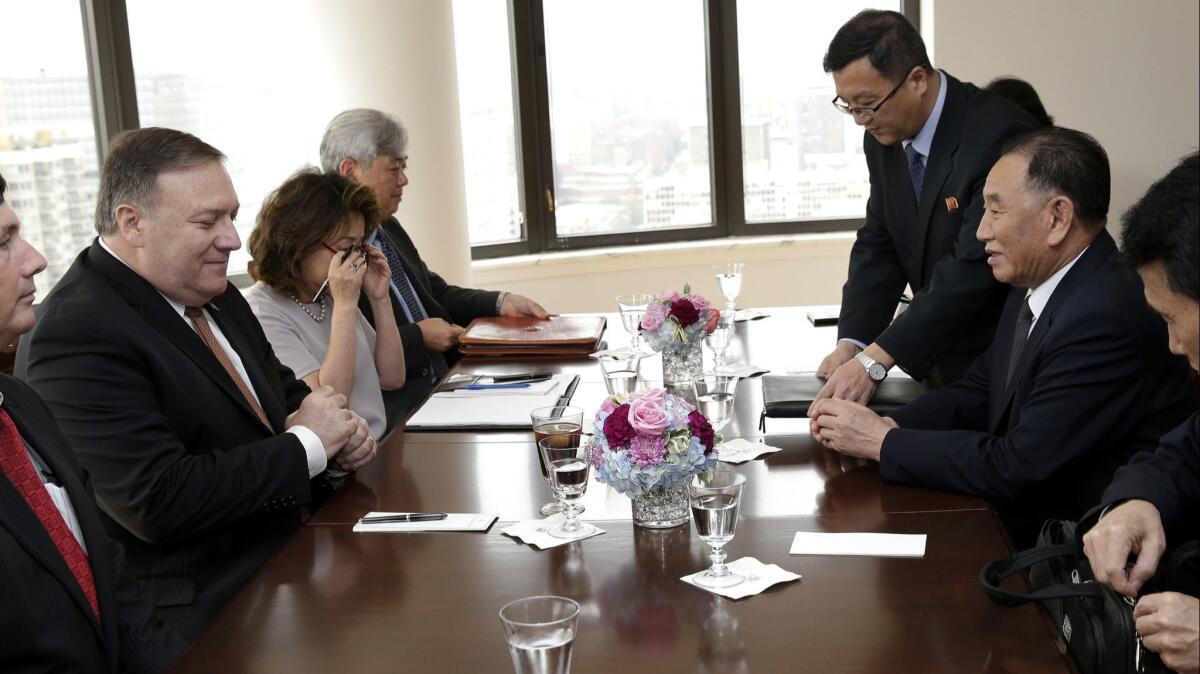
(569, 469)
(562, 425)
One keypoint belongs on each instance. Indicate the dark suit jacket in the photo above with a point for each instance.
(46, 623)
(930, 245)
(1168, 477)
(1095, 385)
(193, 485)
(441, 300)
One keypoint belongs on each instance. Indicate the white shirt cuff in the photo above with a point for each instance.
(314, 449)
(855, 342)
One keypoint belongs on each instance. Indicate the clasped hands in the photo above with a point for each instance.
(838, 417)
(345, 435)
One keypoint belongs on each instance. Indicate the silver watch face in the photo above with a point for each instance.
(877, 371)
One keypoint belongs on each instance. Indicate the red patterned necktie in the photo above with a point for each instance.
(18, 467)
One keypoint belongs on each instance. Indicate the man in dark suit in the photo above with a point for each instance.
(1154, 502)
(1076, 380)
(69, 601)
(201, 445)
(372, 147)
(929, 143)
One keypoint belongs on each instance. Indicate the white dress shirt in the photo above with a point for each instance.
(58, 496)
(1039, 297)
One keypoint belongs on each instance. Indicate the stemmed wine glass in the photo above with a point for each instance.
(718, 340)
(569, 469)
(715, 497)
(562, 424)
(729, 278)
(714, 398)
(632, 308)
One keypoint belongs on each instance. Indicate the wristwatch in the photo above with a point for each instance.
(875, 369)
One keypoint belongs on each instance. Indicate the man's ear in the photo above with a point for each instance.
(348, 168)
(1062, 219)
(131, 225)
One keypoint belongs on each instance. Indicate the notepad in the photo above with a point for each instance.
(453, 522)
(479, 410)
(859, 544)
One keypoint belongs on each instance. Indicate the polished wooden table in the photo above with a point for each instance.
(335, 601)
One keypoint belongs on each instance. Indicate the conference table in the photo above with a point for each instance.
(331, 600)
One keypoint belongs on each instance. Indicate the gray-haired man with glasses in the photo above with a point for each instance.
(929, 143)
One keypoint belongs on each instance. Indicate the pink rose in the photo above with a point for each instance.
(699, 302)
(608, 406)
(657, 395)
(714, 317)
(667, 296)
(653, 318)
(647, 416)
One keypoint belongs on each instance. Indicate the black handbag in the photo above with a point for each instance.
(1095, 623)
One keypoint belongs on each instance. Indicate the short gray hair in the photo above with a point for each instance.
(362, 134)
(135, 159)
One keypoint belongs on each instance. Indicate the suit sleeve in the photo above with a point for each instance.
(1168, 477)
(1085, 385)
(145, 478)
(876, 278)
(962, 405)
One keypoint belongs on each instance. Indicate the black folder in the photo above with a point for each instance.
(788, 396)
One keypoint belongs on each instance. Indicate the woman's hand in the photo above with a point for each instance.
(378, 278)
(346, 276)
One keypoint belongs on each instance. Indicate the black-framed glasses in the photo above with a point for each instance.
(867, 114)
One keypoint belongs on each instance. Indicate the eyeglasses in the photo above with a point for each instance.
(867, 114)
(347, 250)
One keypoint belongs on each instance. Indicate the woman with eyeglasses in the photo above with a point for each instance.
(310, 266)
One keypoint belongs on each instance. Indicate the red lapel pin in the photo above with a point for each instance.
(951, 204)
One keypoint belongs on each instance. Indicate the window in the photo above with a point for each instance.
(48, 151)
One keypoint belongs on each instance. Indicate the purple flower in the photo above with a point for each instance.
(684, 312)
(617, 430)
(700, 302)
(667, 296)
(648, 450)
(654, 316)
(596, 455)
(701, 430)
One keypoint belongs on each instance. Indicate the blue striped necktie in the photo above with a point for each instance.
(916, 168)
(408, 295)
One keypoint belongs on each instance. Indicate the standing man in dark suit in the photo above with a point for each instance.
(372, 148)
(69, 601)
(201, 445)
(930, 141)
(1154, 502)
(1076, 380)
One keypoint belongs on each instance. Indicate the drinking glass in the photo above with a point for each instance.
(632, 308)
(718, 340)
(714, 398)
(621, 373)
(540, 632)
(569, 469)
(715, 496)
(562, 422)
(729, 278)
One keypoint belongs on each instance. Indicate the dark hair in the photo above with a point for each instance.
(1165, 225)
(1070, 163)
(887, 39)
(135, 158)
(305, 210)
(1021, 94)
(3, 186)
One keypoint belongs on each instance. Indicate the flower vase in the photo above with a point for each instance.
(661, 507)
(682, 366)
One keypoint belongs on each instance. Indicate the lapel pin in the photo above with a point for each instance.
(951, 204)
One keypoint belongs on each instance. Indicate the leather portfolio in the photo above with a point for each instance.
(557, 336)
(788, 396)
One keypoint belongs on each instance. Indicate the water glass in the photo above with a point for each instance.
(563, 422)
(715, 497)
(718, 340)
(729, 278)
(714, 397)
(540, 632)
(621, 373)
(633, 307)
(569, 469)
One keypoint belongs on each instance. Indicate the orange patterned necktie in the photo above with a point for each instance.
(196, 314)
(18, 467)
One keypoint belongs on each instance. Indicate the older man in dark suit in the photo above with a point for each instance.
(201, 445)
(69, 601)
(929, 143)
(1077, 379)
(372, 148)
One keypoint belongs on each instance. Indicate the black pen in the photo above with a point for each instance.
(410, 517)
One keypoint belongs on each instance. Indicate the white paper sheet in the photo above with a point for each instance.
(859, 544)
(510, 409)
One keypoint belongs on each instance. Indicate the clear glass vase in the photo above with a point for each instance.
(682, 366)
(661, 507)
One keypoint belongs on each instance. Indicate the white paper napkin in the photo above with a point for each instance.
(745, 370)
(741, 450)
(859, 544)
(620, 352)
(743, 315)
(536, 532)
(758, 577)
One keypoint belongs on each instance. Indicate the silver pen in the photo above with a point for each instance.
(409, 517)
